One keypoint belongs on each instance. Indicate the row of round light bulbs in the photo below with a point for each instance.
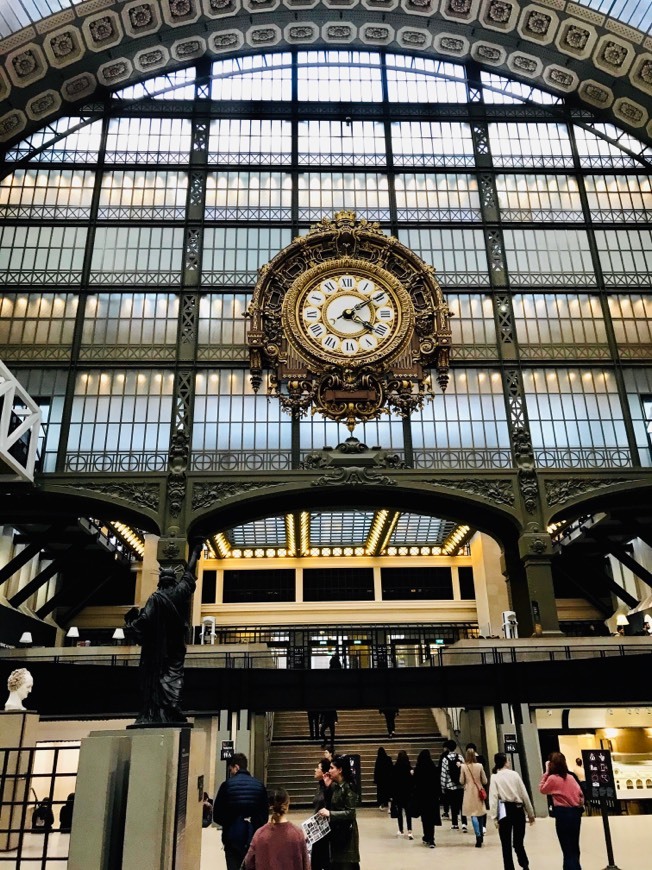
(283, 553)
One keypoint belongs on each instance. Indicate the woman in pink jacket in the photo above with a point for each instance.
(568, 806)
(278, 845)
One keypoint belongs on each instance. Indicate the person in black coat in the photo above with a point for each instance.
(328, 720)
(240, 808)
(65, 814)
(320, 857)
(426, 795)
(383, 769)
(402, 784)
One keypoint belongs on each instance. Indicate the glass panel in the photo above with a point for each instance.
(339, 76)
(530, 145)
(417, 529)
(42, 254)
(473, 327)
(36, 320)
(323, 195)
(148, 140)
(459, 256)
(432, 143)
(575, 418)
(497, 89)
(47, 387)
(256, 77)
(268, 532)
(137, 255)
(622, 198)
(48, 194)
(421, 80)
(176, 85)
(137, 195)
(560, 326)
(233, 255)
(552, 257)
(248, 196)
(465, 427)
(596, 152)
(266, 142)
(342, 143)
(333, 528)
(632, 322)
(625, 256)
(441, 197)
(638, 384)
(235, 429)
(80, 146)
(120, 421)
(130, 325)
(222, 323)
(539, 198)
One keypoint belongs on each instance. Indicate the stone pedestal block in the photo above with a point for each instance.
(138, 802)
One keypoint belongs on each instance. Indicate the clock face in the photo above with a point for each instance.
(348, 311)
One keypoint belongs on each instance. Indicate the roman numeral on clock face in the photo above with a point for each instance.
(347, 282)
(317, 329)
(381, 330)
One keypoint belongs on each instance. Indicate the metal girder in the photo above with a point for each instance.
(630, 562)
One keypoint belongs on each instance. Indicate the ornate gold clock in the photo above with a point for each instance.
(347, 312)
(350, 322)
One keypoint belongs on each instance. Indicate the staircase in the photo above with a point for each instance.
(293, 755)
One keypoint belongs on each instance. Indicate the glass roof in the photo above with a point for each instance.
(343, 528)
(16, 14)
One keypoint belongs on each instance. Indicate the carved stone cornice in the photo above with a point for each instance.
(353, 476)
(208, 494)
(497, 491)
(145, 495)
(561, 491)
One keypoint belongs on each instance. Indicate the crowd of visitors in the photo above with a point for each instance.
(457, 788)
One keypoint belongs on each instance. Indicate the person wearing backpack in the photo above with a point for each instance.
(240, 808)
(451, 789)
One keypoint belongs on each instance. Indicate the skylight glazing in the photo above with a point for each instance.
(340, 528)
(417, 529)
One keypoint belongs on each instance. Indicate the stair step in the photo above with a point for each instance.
(294, 755)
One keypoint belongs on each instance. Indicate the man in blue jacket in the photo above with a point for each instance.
(240, 808)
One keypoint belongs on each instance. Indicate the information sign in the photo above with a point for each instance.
(511, 744)
(599, 773)
(227, 750)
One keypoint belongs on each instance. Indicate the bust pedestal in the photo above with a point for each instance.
(17, 732)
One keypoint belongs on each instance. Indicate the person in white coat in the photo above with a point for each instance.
(509, 804)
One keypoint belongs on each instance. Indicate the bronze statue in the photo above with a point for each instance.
(160, 628)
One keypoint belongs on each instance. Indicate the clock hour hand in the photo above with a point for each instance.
(365, 323)
(360, 305)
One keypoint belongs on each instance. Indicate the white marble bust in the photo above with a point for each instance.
(20, 684)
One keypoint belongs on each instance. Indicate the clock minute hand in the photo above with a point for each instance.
(360, 305)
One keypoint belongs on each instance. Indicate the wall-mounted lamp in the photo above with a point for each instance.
(26, 639)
